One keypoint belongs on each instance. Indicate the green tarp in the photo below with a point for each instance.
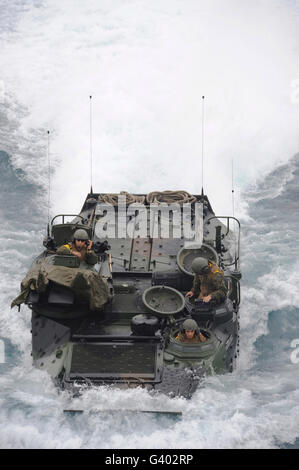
(88, 286)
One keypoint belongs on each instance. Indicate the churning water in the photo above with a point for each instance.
(147, 67)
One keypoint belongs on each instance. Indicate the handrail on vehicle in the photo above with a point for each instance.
(66, 215)
(237, 253)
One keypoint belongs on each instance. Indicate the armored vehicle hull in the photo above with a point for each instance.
(119, 324)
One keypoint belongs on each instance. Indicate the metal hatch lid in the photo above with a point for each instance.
(116, 361)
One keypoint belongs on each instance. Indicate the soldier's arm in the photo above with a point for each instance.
(202, 337)
(196, 286)
(220, 290)
(180, 337)
(91, 257)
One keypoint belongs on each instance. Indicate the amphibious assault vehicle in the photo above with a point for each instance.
(117, 322)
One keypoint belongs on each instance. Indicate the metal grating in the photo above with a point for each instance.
(114, 359)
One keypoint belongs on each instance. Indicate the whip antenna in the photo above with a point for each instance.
(202, 142)
(233, 189)
(90, 140)
(49, 179)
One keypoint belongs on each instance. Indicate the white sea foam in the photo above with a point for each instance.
(147, 66)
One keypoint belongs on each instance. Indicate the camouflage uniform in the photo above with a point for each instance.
(89, 257)
(212, 284)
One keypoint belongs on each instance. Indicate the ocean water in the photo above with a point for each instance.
(147, 67)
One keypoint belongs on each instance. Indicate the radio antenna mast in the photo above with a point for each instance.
(90, 140)
(233, 188)
(202, 143)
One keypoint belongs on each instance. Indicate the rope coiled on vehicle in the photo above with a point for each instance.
(112, 198)
(155, 197)
(170, 197)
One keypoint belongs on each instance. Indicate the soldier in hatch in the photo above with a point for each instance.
(208, 283)
(80, 247)
(190, 333)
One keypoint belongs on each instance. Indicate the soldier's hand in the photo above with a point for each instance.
(89, 245)
(189, 294)
(202, 337)
(207, 298)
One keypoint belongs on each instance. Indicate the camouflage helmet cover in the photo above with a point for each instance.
(189, 324)
(80, 234)
(200, 265)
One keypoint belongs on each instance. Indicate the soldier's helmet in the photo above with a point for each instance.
(190, 324)
(81, 234)
(200, 265)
